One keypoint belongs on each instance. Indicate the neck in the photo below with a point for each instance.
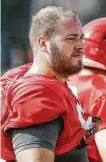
(42, 67)
(86, 71)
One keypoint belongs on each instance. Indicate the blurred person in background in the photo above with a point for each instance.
(30, 55)
(42, 120)
(18, 52)
(91, 83)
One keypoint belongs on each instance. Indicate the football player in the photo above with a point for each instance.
(42, 120)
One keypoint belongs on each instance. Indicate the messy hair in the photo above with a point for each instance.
(44, 23)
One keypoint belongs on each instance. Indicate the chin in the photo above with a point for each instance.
(74, 70)
(77, 62)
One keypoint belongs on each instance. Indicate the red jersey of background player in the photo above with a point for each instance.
(92, 96)
(92, 88)
(34, 99)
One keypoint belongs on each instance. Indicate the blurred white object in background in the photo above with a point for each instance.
(2, 160)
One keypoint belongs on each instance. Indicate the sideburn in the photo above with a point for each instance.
(55, 57)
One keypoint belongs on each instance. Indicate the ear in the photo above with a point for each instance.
(42, 43)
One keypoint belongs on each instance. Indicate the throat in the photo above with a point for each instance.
(41, 70)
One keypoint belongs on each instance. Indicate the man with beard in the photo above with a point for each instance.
(91, 83)
(42, 120)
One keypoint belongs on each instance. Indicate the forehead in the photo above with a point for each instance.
(69, 26)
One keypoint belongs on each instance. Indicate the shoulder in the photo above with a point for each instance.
(99, 81)
(16, 72)
(34, 90)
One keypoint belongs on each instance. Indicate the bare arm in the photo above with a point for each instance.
(35, 155)
(100, 139)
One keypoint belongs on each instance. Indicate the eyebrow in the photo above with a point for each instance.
(75, 35)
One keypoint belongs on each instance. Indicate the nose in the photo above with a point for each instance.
(79, 44)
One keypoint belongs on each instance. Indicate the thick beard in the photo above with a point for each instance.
(62, 64)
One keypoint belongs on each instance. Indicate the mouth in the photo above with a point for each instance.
(78, 55)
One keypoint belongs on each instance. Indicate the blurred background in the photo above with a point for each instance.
(15, 24)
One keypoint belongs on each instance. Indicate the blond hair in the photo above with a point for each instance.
(44, 23)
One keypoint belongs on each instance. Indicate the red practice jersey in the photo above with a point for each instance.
(91, 92)
(35, 99)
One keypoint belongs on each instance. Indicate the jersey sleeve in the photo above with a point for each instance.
(99, 109)
(38, 136)
(33, 104)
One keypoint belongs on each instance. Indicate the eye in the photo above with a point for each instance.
(71, 38)
(82, 36)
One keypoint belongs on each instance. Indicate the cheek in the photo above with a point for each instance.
(67, 49)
